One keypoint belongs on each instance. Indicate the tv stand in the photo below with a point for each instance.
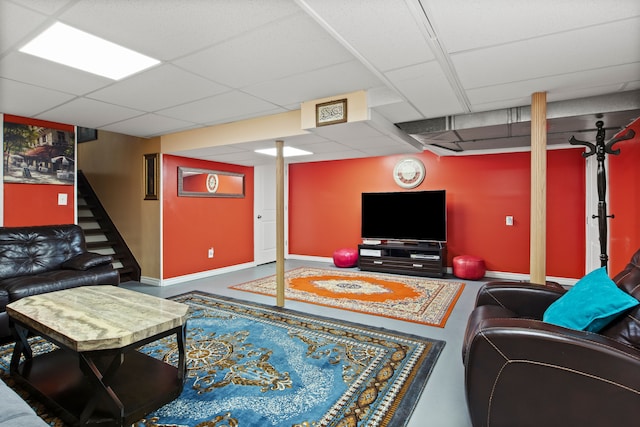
(424, 259)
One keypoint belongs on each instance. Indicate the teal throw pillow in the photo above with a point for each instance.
(591, 304)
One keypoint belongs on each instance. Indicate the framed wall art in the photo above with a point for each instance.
(151, 174)
(194, 182)
(332, 112)
(38, 155)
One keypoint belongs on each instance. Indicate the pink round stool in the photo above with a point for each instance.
(345, 257)
(468, 267)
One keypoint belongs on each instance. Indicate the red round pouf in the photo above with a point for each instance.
(345, 257)
(468, 267)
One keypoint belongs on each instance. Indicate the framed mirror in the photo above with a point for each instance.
(194, 182)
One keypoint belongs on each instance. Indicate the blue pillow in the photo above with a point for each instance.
(591, 304)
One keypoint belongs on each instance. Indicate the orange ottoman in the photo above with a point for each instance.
(468, 267)
(345, 257)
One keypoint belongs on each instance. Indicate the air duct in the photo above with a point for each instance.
(510, 128)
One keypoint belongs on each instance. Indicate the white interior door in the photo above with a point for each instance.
(264, 214)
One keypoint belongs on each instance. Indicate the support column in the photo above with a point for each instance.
(538, 238)
(279, 224)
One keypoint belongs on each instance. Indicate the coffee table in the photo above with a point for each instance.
(97, 376)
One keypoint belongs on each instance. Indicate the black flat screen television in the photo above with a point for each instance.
(419, 216)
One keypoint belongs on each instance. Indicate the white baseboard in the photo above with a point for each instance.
(310, 258)
(489, 275)
(564, 281)
(151, 281)
(205, 274)
(500, 275)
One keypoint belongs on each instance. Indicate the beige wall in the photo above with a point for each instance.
(261, 128)
(114, 165)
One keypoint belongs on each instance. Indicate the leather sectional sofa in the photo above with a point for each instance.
(40, 259)
(523, 371)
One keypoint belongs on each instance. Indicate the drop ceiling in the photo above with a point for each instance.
(421, 62)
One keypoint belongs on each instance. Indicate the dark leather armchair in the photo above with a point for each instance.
(521, 371)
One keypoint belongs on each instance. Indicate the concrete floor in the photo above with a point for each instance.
(442, 403)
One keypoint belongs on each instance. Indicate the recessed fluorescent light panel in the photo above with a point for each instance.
(286, 152)
(69, 46)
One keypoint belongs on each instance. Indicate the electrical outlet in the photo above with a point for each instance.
(509, 220)
(210, 253)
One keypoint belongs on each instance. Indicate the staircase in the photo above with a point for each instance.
(101, 234)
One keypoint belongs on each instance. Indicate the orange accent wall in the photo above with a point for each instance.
(36, 122)
(324, 206)
(192, 225)
(624, 201)
(37, 204)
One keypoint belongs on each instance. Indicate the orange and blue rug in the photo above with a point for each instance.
(409, 298)
(256, 365)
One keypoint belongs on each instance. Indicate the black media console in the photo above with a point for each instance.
(425, 259)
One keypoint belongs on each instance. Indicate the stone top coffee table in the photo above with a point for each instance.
(97, 376)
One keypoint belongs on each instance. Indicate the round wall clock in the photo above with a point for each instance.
(409, 172)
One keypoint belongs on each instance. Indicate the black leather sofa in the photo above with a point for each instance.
(521, 371)
(40, 259)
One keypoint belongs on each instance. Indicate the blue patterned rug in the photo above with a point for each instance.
(256, 365)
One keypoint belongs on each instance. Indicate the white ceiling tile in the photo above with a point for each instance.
(482, 23)
(270, 52)
(334, 155)
(223, 106)
(89, 113)
(45, 6)
(30, 69)
(336, 79)
(382, 95)
(141, 125)
(347, 131)
(564, 86)
(249, 114)
(307, 138)
(516, 101)
(23, 100)
(326, 147)
(552, 55)
(168, 29)
(159, 88)
(427, 89)
(400, 112)
(386, 32)
(21, 23)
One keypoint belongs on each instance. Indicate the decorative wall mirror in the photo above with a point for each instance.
(194, 182)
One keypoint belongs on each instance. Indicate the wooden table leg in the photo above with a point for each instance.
(21, 347)
(101, 383)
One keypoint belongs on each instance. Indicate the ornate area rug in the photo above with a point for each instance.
(414, 299)
(256, 365)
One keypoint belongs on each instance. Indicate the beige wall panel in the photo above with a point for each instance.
(259, 129)
(114, 164)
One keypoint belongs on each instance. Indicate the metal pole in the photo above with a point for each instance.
(279, 225)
